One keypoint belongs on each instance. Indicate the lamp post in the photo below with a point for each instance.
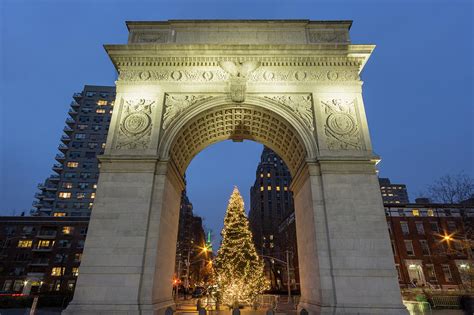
(287, 264)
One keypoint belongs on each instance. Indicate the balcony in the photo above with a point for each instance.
(77, 96)
(70, 121)
(58, 168)
(49, 197)
(65, 139)
(74, 104)
(51, 188)
(39, 196)
(54, 178)
(59, 158)
(36, 204)
(63, 147)
(42, 249)
(40, 262)
(47, 234)
(41, 186)
(68, 130)
(72, 112)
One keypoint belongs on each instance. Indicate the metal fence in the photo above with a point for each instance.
(418, 308)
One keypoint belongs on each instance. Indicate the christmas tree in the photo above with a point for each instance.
(238, 269)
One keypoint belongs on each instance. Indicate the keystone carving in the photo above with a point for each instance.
(341, 128)
(136, 124)
(175, 104)
(239, 73)
(302, 106)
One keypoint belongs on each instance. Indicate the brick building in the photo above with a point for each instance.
(40, 254)
(432, 244)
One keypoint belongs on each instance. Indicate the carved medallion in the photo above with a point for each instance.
(341, 128)
(136, 124)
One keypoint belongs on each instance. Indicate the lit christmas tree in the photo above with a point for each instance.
(238, 269)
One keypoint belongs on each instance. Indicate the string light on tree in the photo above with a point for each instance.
(238, 269)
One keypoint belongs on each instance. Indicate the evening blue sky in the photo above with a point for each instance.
(418, 85)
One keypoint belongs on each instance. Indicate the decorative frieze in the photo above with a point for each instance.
(207, 74)
(175, 104)
(340, 125)
(300, 104)
(303, 74)
(136, 124)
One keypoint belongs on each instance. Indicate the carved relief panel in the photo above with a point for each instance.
(341, 126)
(136, 123)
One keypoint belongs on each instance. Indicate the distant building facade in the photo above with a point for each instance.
(271, 201)
(41, 254)
(71, 191)
(191, 257)
(432, 244)
(393, 193)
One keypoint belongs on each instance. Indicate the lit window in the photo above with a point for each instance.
(25, 243)
(67, 230)
(390, 194)
(285, 188)
(72, 164)
(92, 195)
(384, 195)
(103, 145)
(430, 213)
(59, 214)
(268, 174)
(75, 272)
(278, 188)
(90, 205)
(415, 212)
(58, 271)
(77, 257)
(100, 111)
(101, 102)
(111, 111)
(447, 273)
(67, 185)
(261, 175)
(64, 195)
(269, 188)
(261, 188)
(44, 244)
(80, 195)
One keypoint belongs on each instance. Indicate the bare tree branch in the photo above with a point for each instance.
(452, 188)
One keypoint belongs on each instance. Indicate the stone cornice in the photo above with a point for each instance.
(159, 55)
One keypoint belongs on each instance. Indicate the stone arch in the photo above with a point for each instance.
(257, 119)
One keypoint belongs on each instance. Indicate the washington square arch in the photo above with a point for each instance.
(292, 85)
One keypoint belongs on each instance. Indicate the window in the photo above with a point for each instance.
(75, 271)
(451, 226)
(409, 248)
(434, 227)
(60, 258)
(70, 175)
(57, 271)
(285, 188)
(425, 248)
(59, 214)
(83, 231)
(430, 213)
(7, 285)
(82, 126)
(80, 195)
(278, 188)
(415, 212)
(90, 155)
(85, 175)
(405, 228)
(269, 187)
(261, 175)
(94, 186)
(25, 243)
(430, 272)
(101, 102)
(93, 195)
(44, 244)
(420, 228)
(72, 164)
(80, 136)
(103, 145)
(80, 244)
(268, 174)
(64, 195)
(447, 273)
(71, 284)
(90, 94)
(261, 188)
(64, 243)
(83, 185)
(67, 230)
(67, 185)
(100, 111)
(77, 257)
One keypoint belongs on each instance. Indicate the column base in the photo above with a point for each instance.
(314, 309)
(163, 308)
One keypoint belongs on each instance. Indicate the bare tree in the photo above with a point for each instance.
(452, 188)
